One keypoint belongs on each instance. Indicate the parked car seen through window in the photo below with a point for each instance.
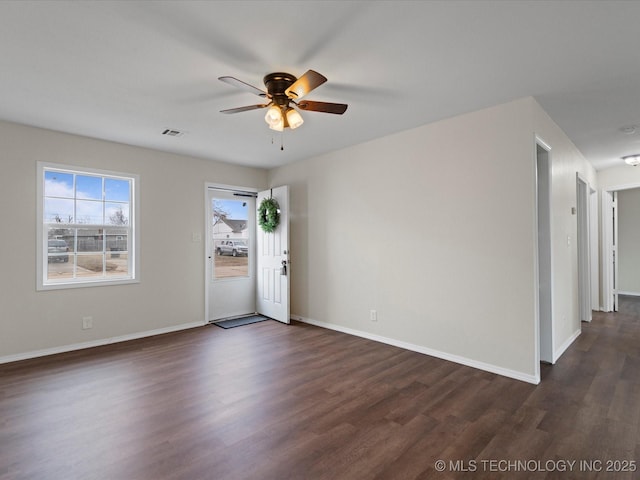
(58, 251)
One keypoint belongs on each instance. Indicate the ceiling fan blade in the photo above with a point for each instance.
(244, 109)
(305, 84)
(337, 108)
(234, 82)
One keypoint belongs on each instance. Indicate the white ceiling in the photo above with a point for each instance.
(126, 71)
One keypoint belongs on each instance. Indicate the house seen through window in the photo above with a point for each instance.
(231, 238)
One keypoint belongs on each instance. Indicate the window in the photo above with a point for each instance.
(86, 227)
(230, 237)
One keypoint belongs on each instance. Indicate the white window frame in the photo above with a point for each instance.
(42, 240)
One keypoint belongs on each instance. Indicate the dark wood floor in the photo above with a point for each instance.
(269, 401)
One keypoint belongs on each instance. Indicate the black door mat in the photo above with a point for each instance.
(238, 322)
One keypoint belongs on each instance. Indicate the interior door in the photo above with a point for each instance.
(584, 269)
(615, 251)
(272, 258)
(608, 251)
(230, 252)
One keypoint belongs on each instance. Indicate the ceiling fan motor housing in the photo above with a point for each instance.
(276, 84)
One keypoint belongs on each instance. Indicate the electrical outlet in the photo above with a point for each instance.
(87, 323)
(373, 315)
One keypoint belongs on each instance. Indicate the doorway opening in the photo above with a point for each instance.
(247, 269)
(612, 241)
(545, 280)
(231, 276)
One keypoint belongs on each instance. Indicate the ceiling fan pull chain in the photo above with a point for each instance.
(281, 141)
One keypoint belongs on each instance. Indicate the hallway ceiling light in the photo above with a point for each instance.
(633, 160)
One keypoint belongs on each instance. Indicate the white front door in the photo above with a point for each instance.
(272, 256)
(230, 251)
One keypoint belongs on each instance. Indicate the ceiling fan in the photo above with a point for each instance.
(283, 92)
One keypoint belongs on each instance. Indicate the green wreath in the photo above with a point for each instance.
(268, 214)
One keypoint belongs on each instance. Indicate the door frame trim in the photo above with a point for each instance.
(208, 186)
(540, 143)
(594, 244)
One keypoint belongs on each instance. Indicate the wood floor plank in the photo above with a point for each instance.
(269, 401)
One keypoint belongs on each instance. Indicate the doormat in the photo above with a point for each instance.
(238, 322)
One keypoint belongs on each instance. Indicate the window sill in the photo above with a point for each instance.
(96, 283)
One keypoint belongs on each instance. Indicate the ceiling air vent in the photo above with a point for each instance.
(170, 132)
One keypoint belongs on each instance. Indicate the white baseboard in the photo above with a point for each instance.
(96, 343)
(424, 350)
(562, 348)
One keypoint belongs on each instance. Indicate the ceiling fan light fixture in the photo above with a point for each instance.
(633, 160)
(274, 117)
(278, 127)
(283, 91)
(294, 118)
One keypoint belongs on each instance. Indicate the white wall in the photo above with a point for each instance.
(566, 161)
(455, 273)
(629, 241)
(618, 178)
(171, 291)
